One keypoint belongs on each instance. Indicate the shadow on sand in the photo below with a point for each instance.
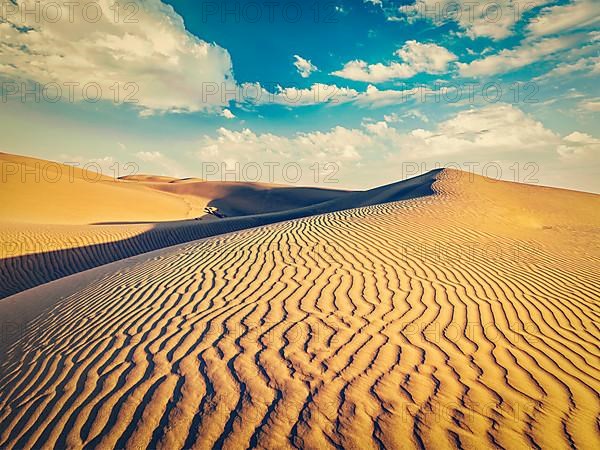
(24, 272)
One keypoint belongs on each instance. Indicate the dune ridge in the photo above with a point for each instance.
(33, 254)
(36, 191)
(464, 319)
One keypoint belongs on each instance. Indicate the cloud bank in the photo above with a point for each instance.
(146, 44)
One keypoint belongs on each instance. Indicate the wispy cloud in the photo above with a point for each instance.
(572, 16)
(304, 66)
(520, 56)
(416, 58)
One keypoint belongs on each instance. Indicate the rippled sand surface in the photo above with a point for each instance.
(463, 319)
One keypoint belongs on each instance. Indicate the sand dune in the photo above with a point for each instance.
(145, 178)
(35, 253)
(56, 220)
(243, 199)
(463, 319)
(35, 191)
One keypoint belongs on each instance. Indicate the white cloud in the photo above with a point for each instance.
(227, 114)
(171, 70)
(359, 70)
(521, 56)
(412, 114)
(318, 93)
(416, 58)
(583, 66)
(149, 156)
(496, 128)
(376, 98)
(416, 114)
(329, 94)
(338, 144)
(304, 66)
(495, 20)
(372, 97)
(579, 144)
(591, 105)
(161, 163)
(498, 134)
(492, 130)
(392, 118)
(569, 17)
(151, 57)
(430, 58)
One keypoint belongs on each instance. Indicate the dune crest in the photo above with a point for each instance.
(48, 249)
(35, 191)
(463, 319)
(40, 192)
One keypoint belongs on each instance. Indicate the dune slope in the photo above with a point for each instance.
(466, 319)
(56, 219)
(33, 254)
(236, 199)
(36, 191)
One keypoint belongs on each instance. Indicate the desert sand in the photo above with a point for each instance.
(56, 220)
(36, 191)
(448, 311)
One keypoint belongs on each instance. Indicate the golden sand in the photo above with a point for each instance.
(56, 220)
(463, 319)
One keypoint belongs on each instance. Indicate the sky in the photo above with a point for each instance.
(341, 94)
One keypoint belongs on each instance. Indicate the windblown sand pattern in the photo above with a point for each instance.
(57, 244)
(56, 220)
(466, 319)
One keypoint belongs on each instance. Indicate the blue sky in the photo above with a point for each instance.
(370, 86)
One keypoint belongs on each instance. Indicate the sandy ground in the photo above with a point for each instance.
(463, 319)
(56, 220)
(36, 191)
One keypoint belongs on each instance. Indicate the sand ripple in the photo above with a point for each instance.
(428, 323)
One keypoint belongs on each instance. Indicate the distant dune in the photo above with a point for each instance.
(242, 199)
(43, 192)
(36, 191)
(51, 229)
(142, 178)
(446, 311)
